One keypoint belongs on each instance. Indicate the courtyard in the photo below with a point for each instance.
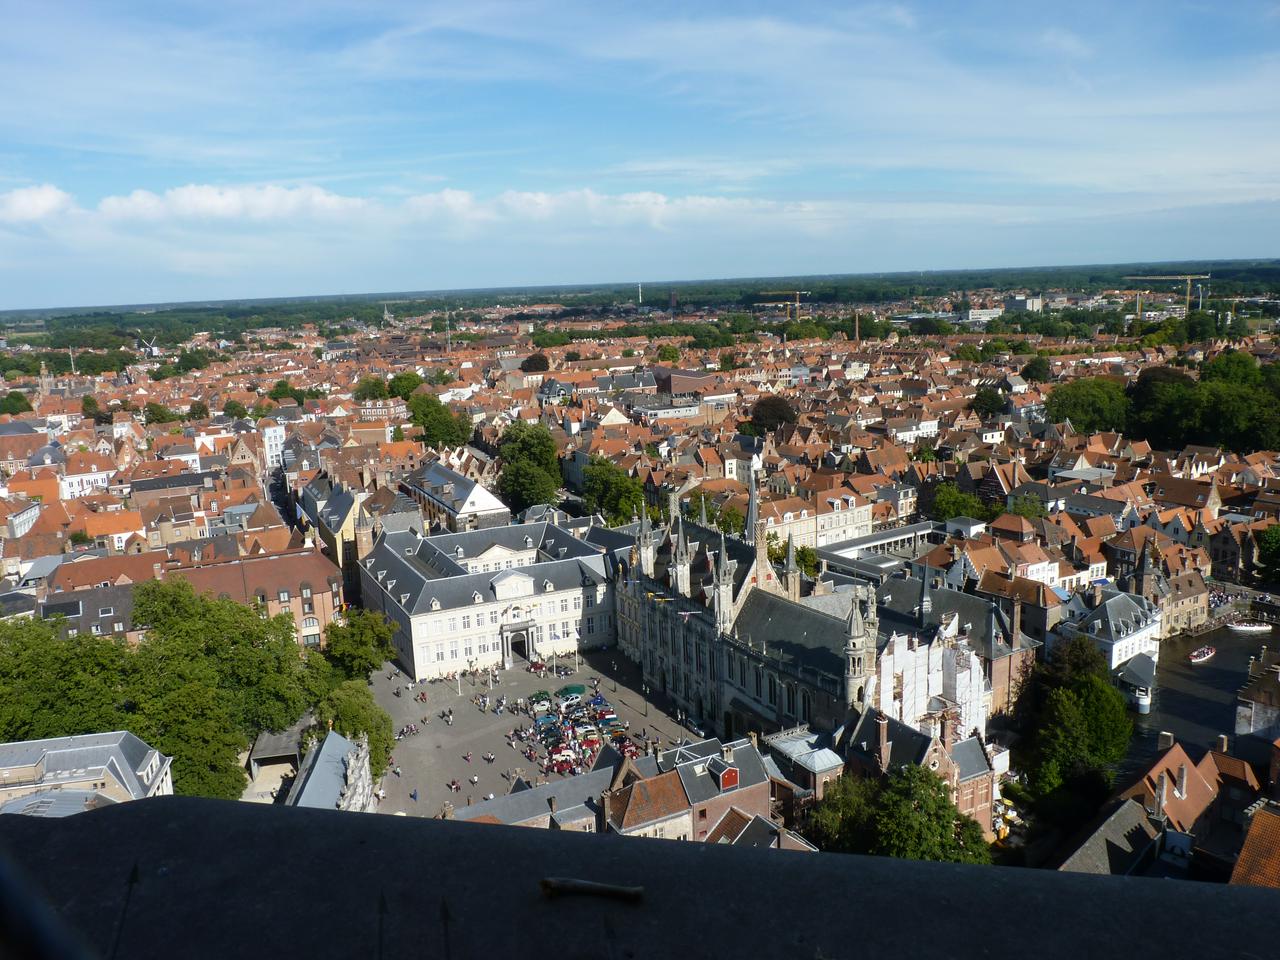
(436, 755)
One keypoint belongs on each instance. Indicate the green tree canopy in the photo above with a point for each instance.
(1091, 404)
(14, 402)
(1233, 366)
(949, 502)
(988, 402)
(530, 466)
(370, 388)
(609, 490)
(159, 413)
(968, 352)
(359, 644)
(199, 410)
(350, 709)
(440, 427)
(669, 353)
(535, 362)
(403, 384)
(771, 412)
(908, 814)
(1269, 552)
(1036, 370)
(235, 409)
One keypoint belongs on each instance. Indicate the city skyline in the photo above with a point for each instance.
(189, 153)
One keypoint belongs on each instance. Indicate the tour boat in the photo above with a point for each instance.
(1202, 654)
(1249, 626)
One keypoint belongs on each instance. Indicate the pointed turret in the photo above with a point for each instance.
(753, 506)
(702, 510)
(926, 598)
(792, 570)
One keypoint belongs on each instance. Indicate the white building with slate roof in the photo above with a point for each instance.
(482, 598)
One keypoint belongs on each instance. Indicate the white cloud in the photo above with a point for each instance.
(205, 202)
(29, 204)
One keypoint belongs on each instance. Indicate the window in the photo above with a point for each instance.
(466, 651)
(97, 628)
(466, 622)
(453, 624)
(439, 652)
(759, 682)
(591, 600)
(310, 623)
(119, 627)
(308, 606)
(306, 593)
(105, 612)
(564, 604)
(577, 602)
(591, 625)
(493, 616)
(791, 700)
(773, 691)
(453, 649)
(284, 596)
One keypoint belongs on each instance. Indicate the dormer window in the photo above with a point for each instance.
(476, 598)
(547, 586)
(435, 604)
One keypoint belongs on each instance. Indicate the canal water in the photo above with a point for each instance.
(1194, 703)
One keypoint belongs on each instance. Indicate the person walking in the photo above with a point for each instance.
(413, 795)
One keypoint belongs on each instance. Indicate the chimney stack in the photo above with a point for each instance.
(1224, 744)
(551, 802)
(1180, 790)
(726, 752)
(1017, 621)
(1162, 793)
(883, 751)
(1164, 741)
(1097, 596)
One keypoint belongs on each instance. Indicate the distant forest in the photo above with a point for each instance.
(113, 328)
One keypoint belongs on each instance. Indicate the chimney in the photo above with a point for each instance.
(551, 802)
(1164, 741)
(948, 732)
(1224, 744)
(1017, 621)
(1097, 596)
(882, 753)
(1162, 793)
(755, 740)
(726, 752)
(1180, 790)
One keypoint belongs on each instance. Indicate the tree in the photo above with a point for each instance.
(440, 427)
(915, 819)
(531, 466)
(535, 362)
(628, 353)
(1269, 553)
(728, 360)
(235, 409)
(159, 413)
(522, 485)
(573, 356)
(609, 490)
(199, 410)
(968, 352)
(403, 384)
(987, 402)
(14, 403)
(1028, 507)
(949, 502)
(1233, 366)
(359, 644)
(89, 405)
(771, 412)
(351, 710)
(397, 435)
(370, 388)
(1036, 370)
(1091, 404)
(908, 814)
(669, 353)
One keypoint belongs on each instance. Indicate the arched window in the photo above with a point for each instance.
(310, 623)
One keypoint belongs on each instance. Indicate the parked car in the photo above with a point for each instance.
(571, 690)
(570, 701)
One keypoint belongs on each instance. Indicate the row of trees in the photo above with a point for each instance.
(949, 502)
(1233, 404)
(530, 466)
(208, 677)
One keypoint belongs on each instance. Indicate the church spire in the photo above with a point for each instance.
(702, 509)
(753, 506)
(722, 561)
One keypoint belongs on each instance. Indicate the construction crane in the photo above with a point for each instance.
(1187, 277)
(787, 293)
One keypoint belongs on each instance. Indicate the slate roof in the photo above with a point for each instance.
(907, 746)
(970, 759)
(119, 751)
(323, 774)
(1117, 844)
(793, 633)
(522, 806)
(424, 570)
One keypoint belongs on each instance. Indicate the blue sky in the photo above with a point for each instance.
(156, 151)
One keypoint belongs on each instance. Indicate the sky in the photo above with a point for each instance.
(177, 151)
